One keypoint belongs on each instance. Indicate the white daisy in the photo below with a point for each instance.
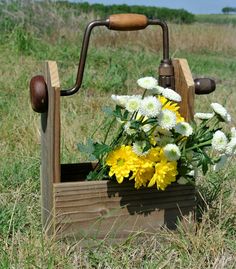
(127, 128)
(171, 95)
(219, 141)
(133, 103)
(120, 99)
(231, 147)
(203, 116)
(158, 90)
(221, 111)
(184, 128)
(172, 152)
(167, 119)
(221, 163)
(147, 83)
(138, 148)
(150, 106)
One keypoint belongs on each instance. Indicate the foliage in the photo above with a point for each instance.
(103, 11)
(228, 10)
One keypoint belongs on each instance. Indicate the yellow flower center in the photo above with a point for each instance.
(172, 106)
(120, 162)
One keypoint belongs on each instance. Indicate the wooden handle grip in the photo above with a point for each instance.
(204, 85)
(127, 22)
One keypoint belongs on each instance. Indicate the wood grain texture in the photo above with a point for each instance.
(50, 143)
(184, 85)
(101, 209)
(127, 22)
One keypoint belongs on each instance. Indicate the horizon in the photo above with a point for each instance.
(195, 7)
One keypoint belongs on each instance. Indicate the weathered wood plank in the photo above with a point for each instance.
(119, 226)
(184, 85)
(50, 143)
(93, 211)
(83, 213)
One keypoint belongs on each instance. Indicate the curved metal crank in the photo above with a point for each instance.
(118, 22)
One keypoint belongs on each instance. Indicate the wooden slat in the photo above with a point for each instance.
(69, 214)
(50, 143)
(77, 196)
(96, 208)
(83, 185)
(119, 226)
(184, 85)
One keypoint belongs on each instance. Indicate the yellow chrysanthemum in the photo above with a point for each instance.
(154, 154)
(122, 161)
(165, 173)
(143, 172)
(145, 168)
(153, 167)
(170, 105)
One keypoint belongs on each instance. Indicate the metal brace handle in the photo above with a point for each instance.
(126, 22)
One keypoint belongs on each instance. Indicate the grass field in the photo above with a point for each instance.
(217, 18)
(115, 62)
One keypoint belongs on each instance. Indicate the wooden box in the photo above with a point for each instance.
(101, 209)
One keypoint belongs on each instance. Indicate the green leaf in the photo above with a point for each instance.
(117, 112)
(100, 150)
(135, 124)
(150, 121)
(147, 146)
(87, 148)
(92, 175)
(204, 167)
(126, 114)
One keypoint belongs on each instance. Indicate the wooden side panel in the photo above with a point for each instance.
(50, 143)
(106, 209)
(184, 85)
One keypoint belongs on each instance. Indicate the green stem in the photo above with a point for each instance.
(144, 93)
(206, 143)
(108, 130)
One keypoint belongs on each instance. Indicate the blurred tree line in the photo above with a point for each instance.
(227, 10)
(103, 11)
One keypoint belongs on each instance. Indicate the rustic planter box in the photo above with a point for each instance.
(101, 209)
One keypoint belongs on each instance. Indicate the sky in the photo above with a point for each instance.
(193, 6)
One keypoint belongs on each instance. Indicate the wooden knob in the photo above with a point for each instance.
(127, 22)
(38, 94)
(204, 85)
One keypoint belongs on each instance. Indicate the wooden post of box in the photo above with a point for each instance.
(104, 209)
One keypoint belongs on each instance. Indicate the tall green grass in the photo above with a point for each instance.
(115, 61)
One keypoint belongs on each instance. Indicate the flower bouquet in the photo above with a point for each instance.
(153, 145)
